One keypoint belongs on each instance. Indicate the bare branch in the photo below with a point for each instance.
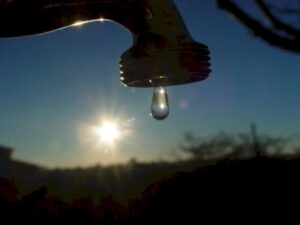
(291, 43)
(275, 22)
(288, 11)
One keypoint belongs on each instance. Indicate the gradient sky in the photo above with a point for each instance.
(54, 87)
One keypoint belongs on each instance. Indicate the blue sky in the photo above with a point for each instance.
(54, 87)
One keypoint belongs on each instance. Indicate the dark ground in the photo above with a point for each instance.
(254, 191)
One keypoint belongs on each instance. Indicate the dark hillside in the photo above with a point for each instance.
(253, 191)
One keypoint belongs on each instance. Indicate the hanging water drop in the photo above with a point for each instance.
(160, 103)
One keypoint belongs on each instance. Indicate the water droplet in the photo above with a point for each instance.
(160, 103)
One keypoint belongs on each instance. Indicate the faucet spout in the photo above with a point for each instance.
(163, 51)
(30, 17)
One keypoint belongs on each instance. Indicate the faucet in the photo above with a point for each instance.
(163, 51)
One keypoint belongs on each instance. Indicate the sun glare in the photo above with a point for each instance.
(79, 23)
(109, 132)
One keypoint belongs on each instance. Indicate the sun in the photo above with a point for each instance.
(109, 132)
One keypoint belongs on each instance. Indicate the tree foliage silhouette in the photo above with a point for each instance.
(237, 146)
(273, 28)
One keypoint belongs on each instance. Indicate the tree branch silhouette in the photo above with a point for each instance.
(243, 145)
(278, 33)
